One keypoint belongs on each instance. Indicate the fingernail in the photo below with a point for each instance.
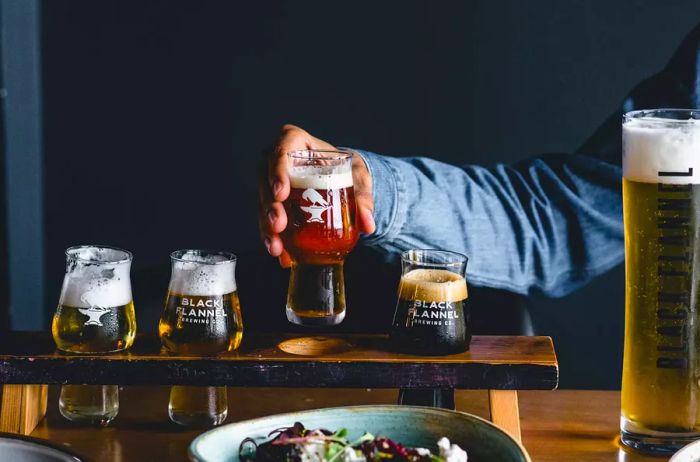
(277, 187)
(370, 218)
(272, 216)
(268, 242)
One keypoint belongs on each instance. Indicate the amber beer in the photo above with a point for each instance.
(95, 315)
(201, 317)
(432, 315)
(320, 233)
(661, 200)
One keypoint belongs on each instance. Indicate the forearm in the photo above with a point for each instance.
(551, 223)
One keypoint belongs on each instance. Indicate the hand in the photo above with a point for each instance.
(273, 188)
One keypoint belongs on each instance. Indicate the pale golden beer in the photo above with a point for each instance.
(661, 201)
(95, 315)
(110, 329)
(201, 317)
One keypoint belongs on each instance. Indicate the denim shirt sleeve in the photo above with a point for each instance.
(550, 223)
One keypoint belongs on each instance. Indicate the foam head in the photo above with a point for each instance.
(96, 277)
(433, 285)
(200, 273)
(651, 145)
(320, 177)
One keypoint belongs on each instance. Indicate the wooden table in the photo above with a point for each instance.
(561, 425)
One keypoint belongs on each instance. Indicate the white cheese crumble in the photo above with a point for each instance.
(451, 452)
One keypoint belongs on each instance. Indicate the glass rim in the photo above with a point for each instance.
(180, 253)
(662, 116)
(333, 154)
(71, 253)
(458, 258)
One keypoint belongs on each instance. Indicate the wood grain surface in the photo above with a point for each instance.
(558, 426)
(290, 361)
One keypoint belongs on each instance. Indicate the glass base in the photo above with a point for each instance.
(89, 404)
(315, 321)
(652, 441)
(198, 407)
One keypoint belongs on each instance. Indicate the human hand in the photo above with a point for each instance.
(274, 186)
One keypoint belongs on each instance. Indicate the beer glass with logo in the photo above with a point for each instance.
(320, 232)
(202, 317)
(661, 200)
(432, 316)
(95, 315)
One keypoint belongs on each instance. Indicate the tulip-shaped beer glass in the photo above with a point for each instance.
(202, 317)
(95, 314)
(320, 232)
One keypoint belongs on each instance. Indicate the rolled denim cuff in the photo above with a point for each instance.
(387, 193)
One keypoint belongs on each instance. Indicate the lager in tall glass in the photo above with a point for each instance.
(661, 200)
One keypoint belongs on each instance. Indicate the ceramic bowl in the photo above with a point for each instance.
(689, 453)
(17, 448)
(408, 425)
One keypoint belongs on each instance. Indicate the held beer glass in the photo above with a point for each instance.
(95, 315)
(320, 232)
(661, 200)
(202, 317)
(432, 316)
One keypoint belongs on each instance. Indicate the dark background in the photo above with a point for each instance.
(154, 114)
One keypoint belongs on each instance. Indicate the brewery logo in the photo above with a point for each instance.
(317, 207)
(95, 311)
(431, 313)
(203, 310)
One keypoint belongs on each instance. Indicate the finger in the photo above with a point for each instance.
(274, 245)
(272, 219)
(285, 260)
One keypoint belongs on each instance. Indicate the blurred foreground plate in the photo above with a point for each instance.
(18, 448)
(689, 453)
(408, 425)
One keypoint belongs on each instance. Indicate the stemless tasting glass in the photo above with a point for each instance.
(202, 317)
(95, 315)
(320, 232)
(661, 200)
(432, 316)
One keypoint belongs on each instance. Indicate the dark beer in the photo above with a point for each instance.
(320, 232)
(432, 315)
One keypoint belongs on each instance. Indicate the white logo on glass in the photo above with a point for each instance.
(319, 205)
(95, 312)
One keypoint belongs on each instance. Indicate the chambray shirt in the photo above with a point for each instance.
(550, 223)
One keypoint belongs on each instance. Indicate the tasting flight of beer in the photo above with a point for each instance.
(202, 314)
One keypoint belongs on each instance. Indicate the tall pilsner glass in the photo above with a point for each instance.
(320, 232)
(661, 197)
(95, 315)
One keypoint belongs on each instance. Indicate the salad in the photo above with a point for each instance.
(299, 444)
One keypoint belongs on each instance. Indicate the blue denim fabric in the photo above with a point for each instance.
(550, 223)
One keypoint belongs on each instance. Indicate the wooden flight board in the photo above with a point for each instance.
(353, 361)
(500, 364)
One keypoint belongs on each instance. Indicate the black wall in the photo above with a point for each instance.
(155, 113)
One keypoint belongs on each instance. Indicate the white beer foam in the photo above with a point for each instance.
(90, 283)
(649, 146)
(320, 177)
(201, 276)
